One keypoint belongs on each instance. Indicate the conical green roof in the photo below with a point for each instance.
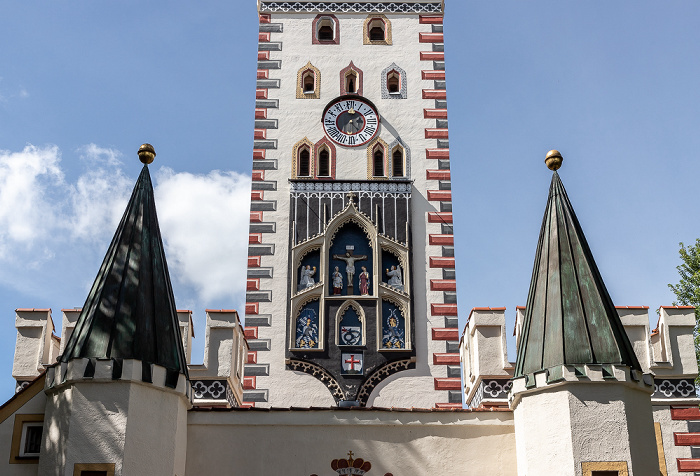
(570, 318)
(130, 312)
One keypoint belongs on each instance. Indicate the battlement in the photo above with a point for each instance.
(217, 382)
(667, 352)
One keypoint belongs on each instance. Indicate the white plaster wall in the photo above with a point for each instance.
(559, 427)
(28, 349)
(662, 414)
(299, 118)
(34, 406)
(70, 318)
(636, 323)
(156, 436)
(305, 442)
(132, 425)
(33, 346)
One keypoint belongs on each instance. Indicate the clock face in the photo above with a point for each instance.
(350, 121)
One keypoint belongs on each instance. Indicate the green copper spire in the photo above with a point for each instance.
(570, 318)
(130, 312)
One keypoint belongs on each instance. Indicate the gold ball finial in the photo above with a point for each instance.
(147, 153)
(553, 159)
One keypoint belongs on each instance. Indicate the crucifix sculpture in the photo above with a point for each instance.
(350, 259)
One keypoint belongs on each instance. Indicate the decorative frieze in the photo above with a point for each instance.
(344, 187)
(213, 392)
(673, 388)
(352, 7)
(491, 389)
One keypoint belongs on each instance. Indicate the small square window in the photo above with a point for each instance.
(30, 443)
(26, 438)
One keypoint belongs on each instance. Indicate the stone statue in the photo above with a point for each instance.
(337, 281)
(307, 280)
(364, 282)
(395, 278)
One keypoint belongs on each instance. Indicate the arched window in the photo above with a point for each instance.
(309, 82)
(326, 30)
(324, 163)
(351, 82)
(393, 82)
(304, 162)
(324, 159)
(377, 30)
(397, 168)
(378, 161)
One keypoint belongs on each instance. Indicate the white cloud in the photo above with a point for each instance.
(49, 226)
(99, 196)
(203, 219)
(28, 180)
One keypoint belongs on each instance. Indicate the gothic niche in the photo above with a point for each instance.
(393, 326)
(350, 259)
(350, 303)
(308, 275)
(392, 271)
(307, 326)
(350, 319)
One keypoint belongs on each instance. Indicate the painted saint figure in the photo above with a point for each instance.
(395, 278)
(307, 280)
(393, 336)
(337, 281)
(350, 259)
(307, 331)
(364, 282)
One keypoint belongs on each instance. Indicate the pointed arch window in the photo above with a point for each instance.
(302, 159)
(378, 161)
(377, 30)
(304, 162)
(394, 82)
(324, 152)
(324, 163)
(326, 30)
(397, 162)
(378, 167)
(308, 82)
(351, 80)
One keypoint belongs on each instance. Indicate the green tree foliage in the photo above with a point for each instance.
(687, 291)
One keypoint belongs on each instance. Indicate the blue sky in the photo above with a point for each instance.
(613, 86)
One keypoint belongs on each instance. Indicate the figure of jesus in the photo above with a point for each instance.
(350, 259)
(364, 282)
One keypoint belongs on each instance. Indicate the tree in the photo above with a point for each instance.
(687, 291)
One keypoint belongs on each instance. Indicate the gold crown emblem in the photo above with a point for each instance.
(351, 466)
